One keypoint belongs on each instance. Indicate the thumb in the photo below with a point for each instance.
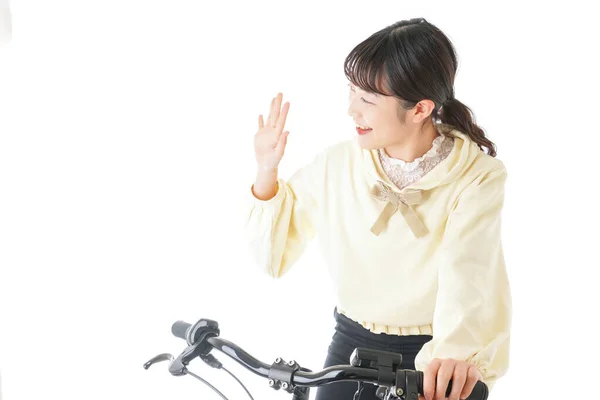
(281, 143)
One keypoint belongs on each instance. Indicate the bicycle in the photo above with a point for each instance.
(366, 366)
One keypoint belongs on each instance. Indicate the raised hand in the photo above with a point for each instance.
(270, 139)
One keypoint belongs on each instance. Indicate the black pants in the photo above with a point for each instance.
(349, 335)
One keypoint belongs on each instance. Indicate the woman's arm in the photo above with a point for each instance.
(279, 229)
(282, 214)
(472, 317)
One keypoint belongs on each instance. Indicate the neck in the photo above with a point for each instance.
(414, 145)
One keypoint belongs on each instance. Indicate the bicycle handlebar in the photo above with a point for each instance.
(380, 369)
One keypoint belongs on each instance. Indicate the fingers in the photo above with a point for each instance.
(439, 373)
(276, 109)
(261, 122)
(473, 376)
(270, 117)
(444, 375)
(459, 377)
(282, 117)
(429, 378)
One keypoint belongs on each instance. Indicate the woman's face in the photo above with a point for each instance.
(381, 116)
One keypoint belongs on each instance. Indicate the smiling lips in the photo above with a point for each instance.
(362, 130)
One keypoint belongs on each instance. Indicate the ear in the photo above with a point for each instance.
(422, 110)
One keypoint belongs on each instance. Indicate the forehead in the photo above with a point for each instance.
(359, 89)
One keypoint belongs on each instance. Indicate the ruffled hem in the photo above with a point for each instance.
(391, 329)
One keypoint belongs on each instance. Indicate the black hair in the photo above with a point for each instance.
(414, 60)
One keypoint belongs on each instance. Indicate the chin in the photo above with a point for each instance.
(367, 142)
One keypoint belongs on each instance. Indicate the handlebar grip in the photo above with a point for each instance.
(180, 329)
(480, 391)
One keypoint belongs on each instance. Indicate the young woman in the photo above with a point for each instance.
(407, 215)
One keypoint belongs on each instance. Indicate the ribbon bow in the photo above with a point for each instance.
(398, 201)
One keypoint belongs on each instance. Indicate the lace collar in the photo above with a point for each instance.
(434, 151)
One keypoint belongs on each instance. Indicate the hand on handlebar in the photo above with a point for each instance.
(439, 372)
(458, 379)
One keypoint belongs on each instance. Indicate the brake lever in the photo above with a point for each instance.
(176, 365)
(177, 368)
(159, 358)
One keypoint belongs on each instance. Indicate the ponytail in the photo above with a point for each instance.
(460, 116)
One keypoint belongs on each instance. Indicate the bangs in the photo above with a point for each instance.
(365, 65)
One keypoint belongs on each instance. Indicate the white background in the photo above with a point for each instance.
(126, 152)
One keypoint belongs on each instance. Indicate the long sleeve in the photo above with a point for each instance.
(278, 230)
(472, 315)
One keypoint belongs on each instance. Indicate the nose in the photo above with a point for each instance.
(352, 107)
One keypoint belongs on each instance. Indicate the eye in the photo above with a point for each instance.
(362, 98)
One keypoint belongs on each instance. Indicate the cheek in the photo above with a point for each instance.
(390, 120)
(371, 117)
(376, 119)
(386, 126)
